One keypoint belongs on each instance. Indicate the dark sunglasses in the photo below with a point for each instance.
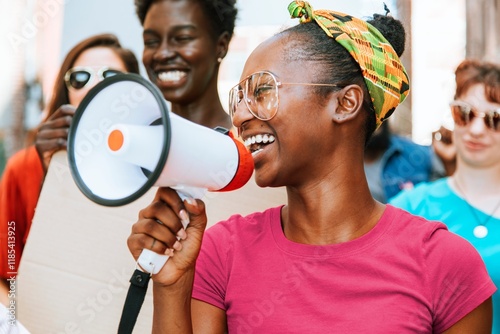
(79, 77)
(464, 113)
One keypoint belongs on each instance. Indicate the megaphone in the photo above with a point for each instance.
(123, 140)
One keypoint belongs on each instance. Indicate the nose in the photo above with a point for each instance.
(164, 52)
(241, 114)
(94, 81)
(477, 125)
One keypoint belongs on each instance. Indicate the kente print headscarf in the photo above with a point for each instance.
(384, 74)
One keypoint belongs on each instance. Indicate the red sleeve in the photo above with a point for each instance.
(19, 190)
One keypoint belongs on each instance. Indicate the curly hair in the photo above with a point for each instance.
(220, 13)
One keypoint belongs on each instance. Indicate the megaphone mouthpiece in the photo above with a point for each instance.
(245, 167)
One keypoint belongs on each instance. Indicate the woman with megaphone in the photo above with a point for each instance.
(332, 259)
(87, 63)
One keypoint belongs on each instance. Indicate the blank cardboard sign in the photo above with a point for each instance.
(75, 269)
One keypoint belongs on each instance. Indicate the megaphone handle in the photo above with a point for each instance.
(151, 262)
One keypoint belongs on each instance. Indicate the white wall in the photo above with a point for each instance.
(438, 32)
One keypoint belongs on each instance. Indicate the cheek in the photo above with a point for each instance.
(458, 133)
(147, 55)
(496, 139)
(76, 96)
(199, 54)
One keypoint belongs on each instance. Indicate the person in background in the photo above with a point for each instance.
(393, 163)
(87, 63)
(332, 259)
(468, 202)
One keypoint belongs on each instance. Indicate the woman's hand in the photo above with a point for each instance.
(442, 143)
(52, 135)
(159, 229)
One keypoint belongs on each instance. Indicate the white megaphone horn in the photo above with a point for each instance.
(122, 141)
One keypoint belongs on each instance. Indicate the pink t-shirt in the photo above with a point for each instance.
(407, 275)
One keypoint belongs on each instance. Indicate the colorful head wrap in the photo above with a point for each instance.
(384, 74)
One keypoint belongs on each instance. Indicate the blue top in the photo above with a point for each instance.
(403, 163)
(437, 201)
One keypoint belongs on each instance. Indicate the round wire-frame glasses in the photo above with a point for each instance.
(260, 91)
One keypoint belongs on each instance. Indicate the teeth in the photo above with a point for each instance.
(259, 139)
(171, 76)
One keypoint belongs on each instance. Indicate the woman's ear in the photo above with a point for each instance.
(349, 103)
(222, 45)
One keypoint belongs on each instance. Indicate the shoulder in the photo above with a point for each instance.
(456, 276)
(453, 275)
(424, 191)
(430, 237)
(242, 227)
(27, 157)
(414, 230)
(22, 163)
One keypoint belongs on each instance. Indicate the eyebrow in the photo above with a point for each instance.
(174, 29)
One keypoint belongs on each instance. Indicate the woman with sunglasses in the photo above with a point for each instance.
(332, 260)
(87, 63)
(468, 202)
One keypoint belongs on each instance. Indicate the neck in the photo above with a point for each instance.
(206, 109)
(479, 188)
(331, 211)
(209, 116)
(478, 182)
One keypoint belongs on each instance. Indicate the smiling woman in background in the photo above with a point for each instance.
(469, 201)
(89, 62)
(184, 44)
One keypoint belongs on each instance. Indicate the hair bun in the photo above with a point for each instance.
(392, 30)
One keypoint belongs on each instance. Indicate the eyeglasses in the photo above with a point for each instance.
(260, 93)
(464, 113)
(79, 77)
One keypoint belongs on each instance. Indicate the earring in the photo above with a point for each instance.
(219, 60)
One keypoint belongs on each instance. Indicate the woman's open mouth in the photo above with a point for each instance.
(170, 76)
(255, 144)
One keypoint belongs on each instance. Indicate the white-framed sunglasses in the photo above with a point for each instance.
(81, 76)
(463, 113)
